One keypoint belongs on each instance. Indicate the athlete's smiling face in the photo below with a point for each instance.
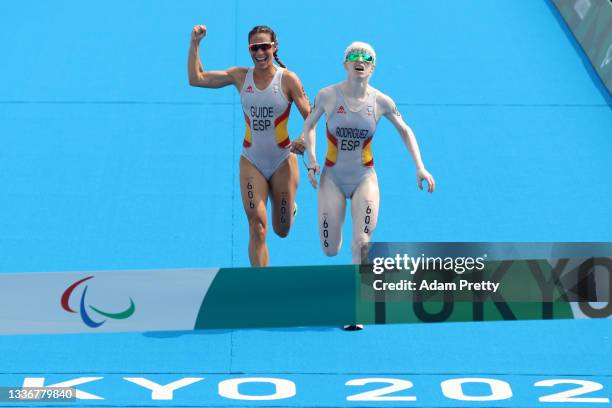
(262, 49)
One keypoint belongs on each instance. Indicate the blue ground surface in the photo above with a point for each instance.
(110, 160)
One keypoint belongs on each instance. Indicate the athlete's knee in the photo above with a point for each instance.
(257, 229)
(359, 244)
(281, 229)
(329, 249)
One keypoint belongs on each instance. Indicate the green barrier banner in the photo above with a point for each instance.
(277, 297)
(176, 299)
(591, 23)
(396, 283)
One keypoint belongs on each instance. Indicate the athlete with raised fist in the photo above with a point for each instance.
(268, 168)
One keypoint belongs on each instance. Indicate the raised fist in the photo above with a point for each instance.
(198, 33)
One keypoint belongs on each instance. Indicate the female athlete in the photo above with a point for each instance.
(353, 109)
(268, 168)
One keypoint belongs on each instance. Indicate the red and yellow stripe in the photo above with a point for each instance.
(332, 149)
(366, 154)
(280, 129)
(248, 137)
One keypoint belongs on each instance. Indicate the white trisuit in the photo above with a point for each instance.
(266, 112)
(349, 173)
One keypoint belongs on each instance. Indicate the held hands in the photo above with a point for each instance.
(313, 171)
(198, 32)
(298, 146)
(423, 174)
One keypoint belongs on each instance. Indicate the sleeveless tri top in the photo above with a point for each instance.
(349, 141)
(266, 113)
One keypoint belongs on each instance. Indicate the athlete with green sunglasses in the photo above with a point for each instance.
(353, 109)
(357, 56)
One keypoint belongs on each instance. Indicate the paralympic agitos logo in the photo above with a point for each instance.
(83, 306)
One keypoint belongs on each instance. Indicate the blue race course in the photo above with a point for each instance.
(111, 161)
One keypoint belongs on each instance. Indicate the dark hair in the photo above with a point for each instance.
(267, 30)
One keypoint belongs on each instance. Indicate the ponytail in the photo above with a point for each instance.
(278, 61)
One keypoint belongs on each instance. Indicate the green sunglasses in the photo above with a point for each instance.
(360, 57)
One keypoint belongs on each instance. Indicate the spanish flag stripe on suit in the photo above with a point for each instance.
(332, 149)
(280, 128)
(248, 137)
(366, 154)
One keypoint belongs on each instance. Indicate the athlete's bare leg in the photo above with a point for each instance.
(364, 213)
(254, 192)
(332, 207)
(283, 186)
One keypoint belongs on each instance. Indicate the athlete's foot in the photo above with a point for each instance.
(353, 327)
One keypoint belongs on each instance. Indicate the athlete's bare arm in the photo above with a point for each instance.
(209, 79)
(295, 92)
(385, 106)
(293, 88)
(324, 102)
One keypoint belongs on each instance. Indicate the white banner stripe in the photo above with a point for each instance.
(31, 303)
